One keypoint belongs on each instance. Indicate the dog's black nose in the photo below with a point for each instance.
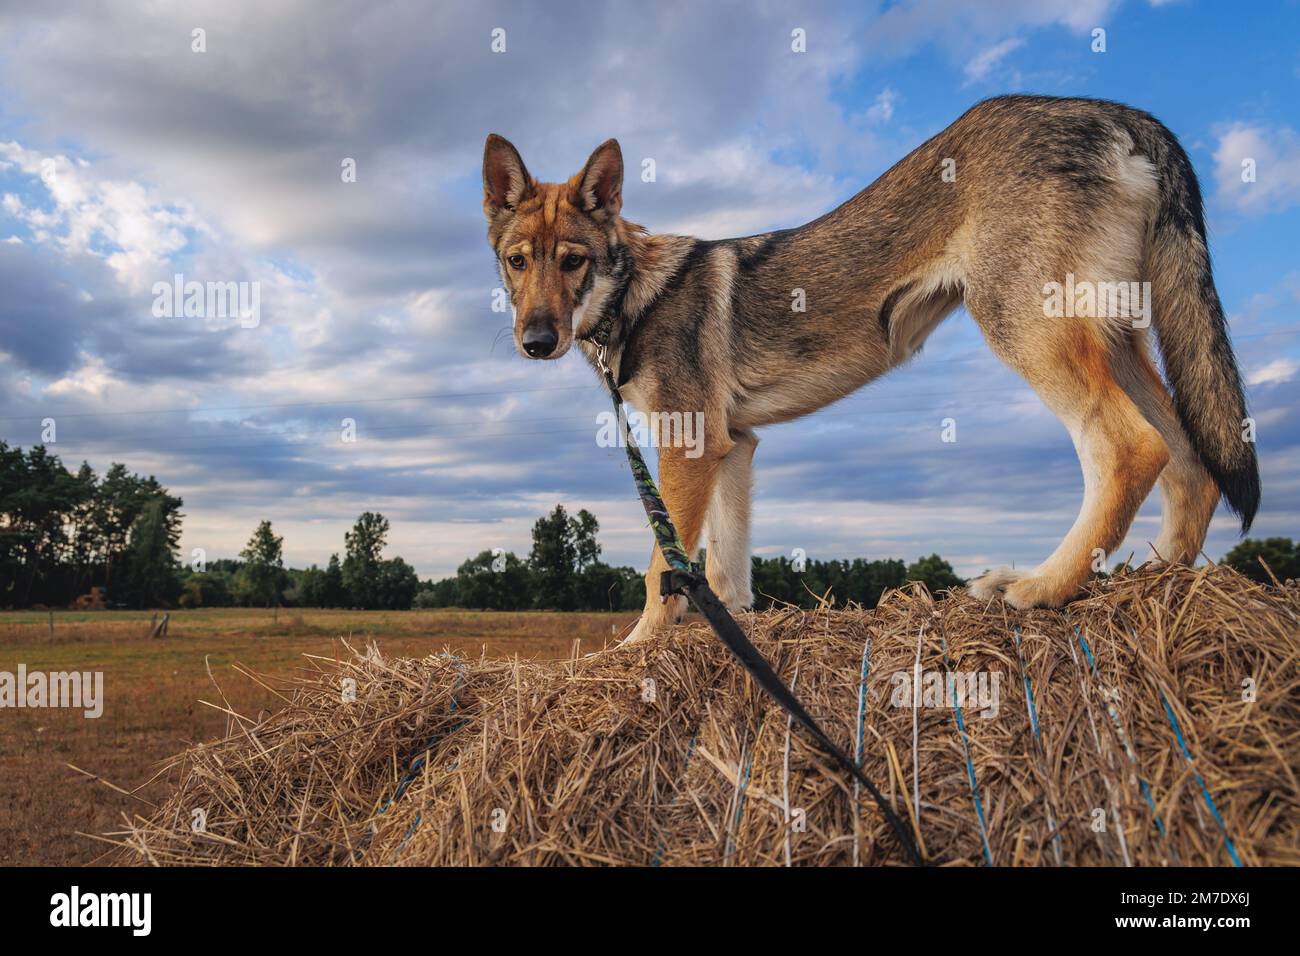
(539, 339)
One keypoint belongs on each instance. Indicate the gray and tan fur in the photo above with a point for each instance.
(1043, 187)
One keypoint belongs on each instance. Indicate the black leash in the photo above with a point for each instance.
(685, 577)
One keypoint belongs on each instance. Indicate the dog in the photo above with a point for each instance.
(1011, 211)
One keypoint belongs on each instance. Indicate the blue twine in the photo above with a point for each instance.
(1029, 691)
(744, 785)
(1146, 791)
(747, 757)
(1205, 791)
(970, 770)
(416, 766)
(862, 702)
(970, 765)
(419, 814)
(1033, 722)
(1086, 650)
(862, 721)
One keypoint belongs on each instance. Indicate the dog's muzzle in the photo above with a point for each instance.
(539, 338)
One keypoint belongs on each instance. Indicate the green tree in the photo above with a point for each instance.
(264, 565)
(397, 585)
(46, 507)
(498, 582)
(151, 578)
(775, 581)
(361, 571)
(118, 503)
(40, 544)
(191, 593)
(601, 587)
(586, 548)
(307, 588)
(334, 592)
(936, 573)
(444, 593)
(1280, 554)
(553, 560)
(211, 588)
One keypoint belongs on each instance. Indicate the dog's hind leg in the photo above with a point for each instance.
(1068, 364)
(728, 564)
(1188, 493)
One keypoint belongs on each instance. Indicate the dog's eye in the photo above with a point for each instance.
(572, 261)
(516, 261)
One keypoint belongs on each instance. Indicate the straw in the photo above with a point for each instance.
(569, 763)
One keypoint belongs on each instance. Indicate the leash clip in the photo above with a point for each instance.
(602, 350)
(676, 581)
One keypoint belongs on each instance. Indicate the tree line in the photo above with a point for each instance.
(66, 536)
(363, 579)
(64, 533)
(563, 572)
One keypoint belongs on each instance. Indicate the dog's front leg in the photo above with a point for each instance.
(729, 565)
(686, 485)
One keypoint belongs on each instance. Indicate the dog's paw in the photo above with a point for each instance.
(993, 584)
(1040, 590)
(639, 633)
(1022, 589)
(655, 616)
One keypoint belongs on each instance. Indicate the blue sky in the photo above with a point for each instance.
(127, 157)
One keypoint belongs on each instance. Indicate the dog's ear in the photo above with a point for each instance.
(598, 189)
(506, 182)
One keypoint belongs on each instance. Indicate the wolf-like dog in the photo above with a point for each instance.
(1020, 198)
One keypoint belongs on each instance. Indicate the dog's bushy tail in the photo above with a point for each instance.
(1191, 328)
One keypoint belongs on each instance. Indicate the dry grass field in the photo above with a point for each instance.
(154, 692)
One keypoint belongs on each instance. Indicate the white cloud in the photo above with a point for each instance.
(783, 195)
(882, 110)
(1274, 373)
(89, 213)
(91, 380)
(962, 27)
(1276, 168)
(979, 66)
